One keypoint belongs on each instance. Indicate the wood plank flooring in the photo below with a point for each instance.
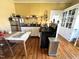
(65, 51)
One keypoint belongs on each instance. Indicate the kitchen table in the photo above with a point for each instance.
(20, 36)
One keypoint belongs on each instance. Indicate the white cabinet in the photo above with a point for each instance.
(70, 23)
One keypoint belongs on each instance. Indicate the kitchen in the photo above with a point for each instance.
(36, 17)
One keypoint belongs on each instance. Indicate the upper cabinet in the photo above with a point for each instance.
(70, 23)
(68, 17)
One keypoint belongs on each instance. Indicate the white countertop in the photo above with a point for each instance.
(23, 37)
(53, 39)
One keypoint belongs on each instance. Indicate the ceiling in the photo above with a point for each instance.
(42, 1)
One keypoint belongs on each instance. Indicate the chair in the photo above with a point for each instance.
(5, 46)
(76, 42)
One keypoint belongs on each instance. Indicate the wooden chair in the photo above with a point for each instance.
(5, 46)
(76, 42)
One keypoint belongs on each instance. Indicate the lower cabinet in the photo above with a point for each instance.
(34, 30)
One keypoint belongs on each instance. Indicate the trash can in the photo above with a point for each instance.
(53, 46)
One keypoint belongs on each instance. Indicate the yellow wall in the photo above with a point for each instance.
(27, 9)
(6, 9)
(38, 8)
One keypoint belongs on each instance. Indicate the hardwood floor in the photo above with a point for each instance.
(65, 51)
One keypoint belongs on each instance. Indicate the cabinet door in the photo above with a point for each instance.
(75, 34)
(53, 46)
(76, 25)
